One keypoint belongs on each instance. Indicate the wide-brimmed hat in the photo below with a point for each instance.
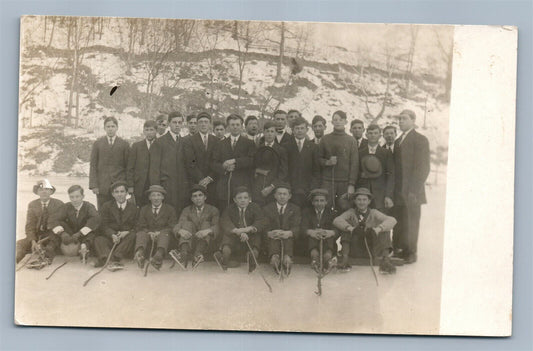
(317, 192)
(117, 184)
(156, 188)
(43, 184)
(371, 167)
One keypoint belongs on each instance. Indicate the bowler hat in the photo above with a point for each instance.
(371, 167)
(156, 188)
(43, 184)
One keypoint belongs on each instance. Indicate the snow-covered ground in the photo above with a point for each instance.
(207, 298)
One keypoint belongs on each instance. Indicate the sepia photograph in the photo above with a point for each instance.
(232, 175)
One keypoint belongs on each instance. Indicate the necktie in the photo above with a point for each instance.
(44, 218)
(205, 141)
(281, 216)
(150, 144)
(77, 212)
(155, 210)
(400, 139)
(300, 145)
(319, 217)
(242, 221)
(110, 141)
(233, 142)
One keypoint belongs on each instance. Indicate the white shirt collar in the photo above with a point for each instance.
(173, 135)
(112, 139)
(372, 149)
(201, 209)
(269, 144)
(79, 207)
(45, 203)
(156, 207)
(404, 134)
(281, 206)
(235, 138)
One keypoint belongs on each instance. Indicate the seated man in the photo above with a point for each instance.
(153, 229)
(317, 224)
(196, 228)
(119, 218)
(367, 227)
(241, 224)
(283, 226)
(76, 223)
(37, 229)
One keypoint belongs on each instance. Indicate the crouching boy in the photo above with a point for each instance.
(241, 224)
(364, 226)
(317, 224)
(154, 226)
(196, 228)
(76, 224)
(119, 218)
(283, 225)
(38, 229)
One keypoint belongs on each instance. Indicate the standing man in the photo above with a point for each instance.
(140, 157)
(219, 129)
(283, 137)
(198, 151)
(357, 128)
(339, 158)
(319, 126)
(389, 134)
(377, 170)
(292, 115)
(109, 160)
(252, 129)
(304, 166)
(233, 161)
(162, 125)
(412, 164)
(192, 122)
(168, 166)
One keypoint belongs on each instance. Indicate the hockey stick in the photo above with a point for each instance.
(281, 260)
(321, 272)
(371, 262)
(104, 266)
(57, 268)
(32, 255)
(257, 265)
(229, 187)
(150, 259)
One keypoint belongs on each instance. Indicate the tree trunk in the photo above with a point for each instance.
(52, 33)
(281, 52)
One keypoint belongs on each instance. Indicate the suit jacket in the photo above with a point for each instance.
(412, 165)
(34, 217)
(207, 219)
(138, 170)
(108, 163)
(163, 222)
(168, 170)
(310, 220)
(197, 158)
(304, 167)
(382, 186)
(291, 218)
(272, 160)
(374, 219)
(285, 140)
(253, 216)
(242, 175)
(66, 217)
(113, 221)
(364, 143)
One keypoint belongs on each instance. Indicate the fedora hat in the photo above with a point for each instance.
(371, 167)
(43, 184)
(156, 188)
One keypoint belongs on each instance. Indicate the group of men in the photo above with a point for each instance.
(227, 190)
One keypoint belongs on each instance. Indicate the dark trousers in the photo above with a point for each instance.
(199, 246)
(50, 247)
(353, 244)
(101, 199)
(409, 222)
(274, 246)
(328, 244)
(233, 243)
(144, 241)
(336, 190)
(124, 249)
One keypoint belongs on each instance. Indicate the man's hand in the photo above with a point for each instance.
(332, 160)
(154, 235)
(285, 234)
(313, 233)
(130, 190)
(351, 189)
(116, 238)
(77, 236)
(96, 191)
(274, 234)
(185, 234)
(328, 233)
(244, 237)
(388, 202)
(123, 234)
(203, 233)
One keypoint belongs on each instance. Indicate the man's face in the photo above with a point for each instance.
(149, 133)
(198, 198)
(270, 134)
(156, 198)
(110, 129)
(162, 127)
(319, 202)
(405, 123)
(389, 135)
(300, 131)
(318, 129)
(44, 194)
(282, 195)
(76, 198)
(203, 125)
(175, 124)
(242, 199)
(281, 121)
(119, 194)
(191, 124)
(361, 202)
(252, 127)
(373, 136)
(338, 122)
(292, 116)
(235, 127)
(220, 131)
(357, 130)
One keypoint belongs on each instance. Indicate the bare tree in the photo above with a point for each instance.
(413, 30)
(447, 57)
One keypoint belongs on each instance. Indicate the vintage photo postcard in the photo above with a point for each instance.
(265, 176)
